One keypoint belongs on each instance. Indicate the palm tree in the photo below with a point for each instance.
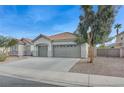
(117, 27)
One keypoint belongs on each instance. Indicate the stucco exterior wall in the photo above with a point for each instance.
(14, 50)
(32, 49)
(27, 50)
(120, 39)
(20, 50)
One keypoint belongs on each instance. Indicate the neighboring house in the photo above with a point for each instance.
(59, 45)
(120, 40)
(24, 47)
(3, 48)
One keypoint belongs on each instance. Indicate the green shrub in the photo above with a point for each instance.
(3, 57)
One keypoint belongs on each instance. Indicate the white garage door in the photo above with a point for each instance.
(67, 51)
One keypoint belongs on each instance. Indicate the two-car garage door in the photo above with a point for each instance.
(67, 51)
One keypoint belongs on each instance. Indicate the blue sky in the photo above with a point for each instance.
(30, 21)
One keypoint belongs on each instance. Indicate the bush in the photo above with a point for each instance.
(3, 57)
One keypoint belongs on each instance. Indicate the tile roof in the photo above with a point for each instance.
(63, 36)
(24, 41)
(58, 37)
(41, 35)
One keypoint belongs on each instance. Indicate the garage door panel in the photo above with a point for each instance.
(42, 51)
(66, 51)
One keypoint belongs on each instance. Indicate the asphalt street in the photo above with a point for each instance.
(6, 81)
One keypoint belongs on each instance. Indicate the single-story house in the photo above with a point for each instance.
(120, 40)
(119, 43)
(24, 47)
(59, 45)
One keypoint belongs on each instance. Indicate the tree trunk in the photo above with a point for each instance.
(117, 31)
(117, 45)
(91, 54)
(91, 49)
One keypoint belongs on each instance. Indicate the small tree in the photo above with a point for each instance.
(5, 43)
(95, 26)
(117, 27)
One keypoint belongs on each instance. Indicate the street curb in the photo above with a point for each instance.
(63, 78)
(57, 78)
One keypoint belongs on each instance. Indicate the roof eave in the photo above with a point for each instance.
(40, 37)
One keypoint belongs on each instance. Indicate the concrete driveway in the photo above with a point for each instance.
(52, 71)
(44, 64)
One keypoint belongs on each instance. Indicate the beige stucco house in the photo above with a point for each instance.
(24, 47)
(59, 45)
(120, 40)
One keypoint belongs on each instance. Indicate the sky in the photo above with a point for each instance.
(30, 21)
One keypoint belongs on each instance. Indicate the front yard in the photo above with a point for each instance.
(101, 66)
(14, 58)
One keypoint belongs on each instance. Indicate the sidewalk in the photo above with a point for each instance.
(62, 78)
